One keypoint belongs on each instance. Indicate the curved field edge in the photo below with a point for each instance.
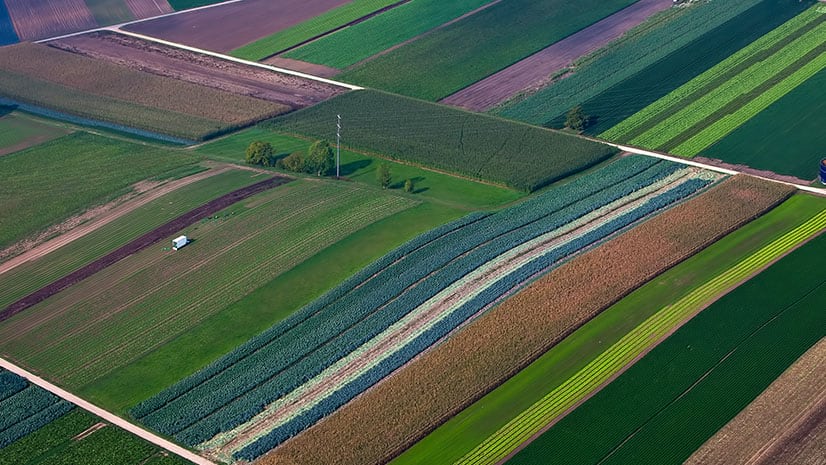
(779, 412)
(630, 347)
(501, 342)
(467, 430)
(699, 378)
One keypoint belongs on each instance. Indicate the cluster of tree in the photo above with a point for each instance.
(319, 159)
(576, 119)
(384, 178)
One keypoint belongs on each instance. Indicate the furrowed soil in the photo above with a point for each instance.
(39, 19)
(148, 8)
(392, 416)
(227, 27)
(537, 70)
(141, 55)
(140, 243)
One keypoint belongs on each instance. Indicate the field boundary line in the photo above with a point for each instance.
(105, 415)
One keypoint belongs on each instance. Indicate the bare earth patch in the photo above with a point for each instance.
(159, 59)
(537, 70)
(302, 66)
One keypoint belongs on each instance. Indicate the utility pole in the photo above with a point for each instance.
(338, 146)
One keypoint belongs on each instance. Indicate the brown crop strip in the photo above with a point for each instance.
(141, 243)
(428, 391)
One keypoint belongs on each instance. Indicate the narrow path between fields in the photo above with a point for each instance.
(109, 417)
(105, 218)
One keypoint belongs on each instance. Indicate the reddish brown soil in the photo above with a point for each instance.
(228, 27)
(538, 69)
(200, 69)
(302, 66)
(152, 237)
(40, 19)
(148, 8)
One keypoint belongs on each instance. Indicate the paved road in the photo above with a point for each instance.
(106, 416)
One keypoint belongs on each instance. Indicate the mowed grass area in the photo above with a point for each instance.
(299, 33)
(148, 299)
(58, 444)
(46, 184)
(481, 147)
(652, 60)
(786, 137)
(710, 106)
(31, 276)
(355, 43)
(19, 131)
(44, 76)
(694, 382)
(359, 167)
(452, 58)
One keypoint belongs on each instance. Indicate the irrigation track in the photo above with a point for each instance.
(109, 417)
(106, 218)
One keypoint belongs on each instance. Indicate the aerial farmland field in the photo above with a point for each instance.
(402, 232)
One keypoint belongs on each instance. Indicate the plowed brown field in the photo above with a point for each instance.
(148, 8)
(39, 19)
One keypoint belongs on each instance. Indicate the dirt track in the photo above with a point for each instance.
(228, 27)
(200, 69)
(140, 243)
(536, 70)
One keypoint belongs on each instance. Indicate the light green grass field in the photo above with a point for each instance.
(467, 431)
(18, 132)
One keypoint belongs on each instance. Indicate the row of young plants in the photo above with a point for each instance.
(218, 384)
(452, 320)
(26, 408)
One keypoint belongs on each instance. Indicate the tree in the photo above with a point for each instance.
(293, 162)
(576, 119)
(409, 187)
(383, 176)
(259, 153)
(320, 158)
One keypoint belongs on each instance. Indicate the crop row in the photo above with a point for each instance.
(603, 367)
(391, 416)
(463, 313)
(725, 125)
(10, 384)
(356, 315)
(745, 82)
(624, 61)
(26, 408)
(744, 56)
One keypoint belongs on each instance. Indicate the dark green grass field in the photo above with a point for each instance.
(56, 444)
(452, 58)
(45, 184)
(709, 43)
(787, 138)
(693, 383)
(481, 147)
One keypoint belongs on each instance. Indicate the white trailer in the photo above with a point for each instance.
(179, 242)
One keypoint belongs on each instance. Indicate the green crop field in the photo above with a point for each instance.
(786, 137)
(299, 33)
(56, 444)
(363, 40)
(658, 57)
(142, 302)
(19, 131)
(429, 185)
(472, 434)
(452, 58)
(477, 146)
(693, 383)
(110, 11)
(179, 5)
(44, 185)
(33, 275)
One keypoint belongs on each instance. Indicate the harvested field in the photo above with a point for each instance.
(771, 427)
(148, 8)
(488, 351)
(141, 55)
(537, 70)
(39, 19)
(227, 27)
(140, 243)
(302, 66)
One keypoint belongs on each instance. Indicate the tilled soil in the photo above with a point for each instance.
(199, 69)
(39, 19)
(148, 8)
(148, 239)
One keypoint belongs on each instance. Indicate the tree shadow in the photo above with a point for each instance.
(350, 168)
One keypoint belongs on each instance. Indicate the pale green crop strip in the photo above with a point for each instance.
(732, 89)
(603, 367)
(686, 90)
(732, 121)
